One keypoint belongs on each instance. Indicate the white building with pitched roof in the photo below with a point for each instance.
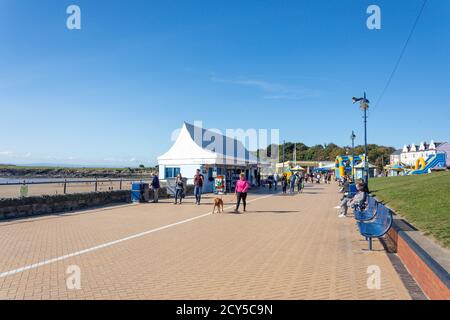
(211, 152)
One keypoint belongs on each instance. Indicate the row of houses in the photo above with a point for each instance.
(409, 154)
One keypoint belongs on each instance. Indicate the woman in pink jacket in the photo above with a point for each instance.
(241, 192)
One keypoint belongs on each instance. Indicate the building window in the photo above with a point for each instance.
(171, 172)
(210, 172)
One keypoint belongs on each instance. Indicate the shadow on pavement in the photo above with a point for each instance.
(272, 211)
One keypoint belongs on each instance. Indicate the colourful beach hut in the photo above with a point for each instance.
(396, 170)
(359, 170)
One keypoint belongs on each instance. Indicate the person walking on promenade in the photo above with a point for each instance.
(358, 200)
(198, 186)
(179, 188)
(275, 180)
(299, 182)
(292, 183)
(241, 192)
(155, 186)
(343, 183)
(284, 183)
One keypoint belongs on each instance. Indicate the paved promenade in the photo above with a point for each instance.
(284, 247)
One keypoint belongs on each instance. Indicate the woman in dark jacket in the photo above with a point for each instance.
(179, 188)
(155, 186)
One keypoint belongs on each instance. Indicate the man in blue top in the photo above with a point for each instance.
(292, 183)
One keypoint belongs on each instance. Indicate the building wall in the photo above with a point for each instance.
(394, 159)
(445, 147)
(162, 170)
(411, 157)
(187, 171)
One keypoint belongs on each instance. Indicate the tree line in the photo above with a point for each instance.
(377, 154)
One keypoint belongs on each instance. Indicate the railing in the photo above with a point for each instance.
(27, 188)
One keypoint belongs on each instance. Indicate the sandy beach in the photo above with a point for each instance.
(13, 191)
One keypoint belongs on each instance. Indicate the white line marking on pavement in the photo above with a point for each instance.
(109, 244)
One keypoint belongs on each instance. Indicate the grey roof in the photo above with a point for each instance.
(426, 145)
(230, 147)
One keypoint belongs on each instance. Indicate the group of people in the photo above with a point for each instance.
(295, 180)
(180, 187)
(241, 189)
(319, 177)
(199, 179)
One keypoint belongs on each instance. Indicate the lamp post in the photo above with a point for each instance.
(353, 136)
(295, 154)
(364, 105)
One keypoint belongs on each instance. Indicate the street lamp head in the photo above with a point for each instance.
(364, 105)
(354, 99)
(363, 102)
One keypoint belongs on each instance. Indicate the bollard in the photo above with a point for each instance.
(96, 185)
(65, 186)
(120, 185)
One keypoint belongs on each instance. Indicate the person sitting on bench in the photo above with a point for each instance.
(357, 201)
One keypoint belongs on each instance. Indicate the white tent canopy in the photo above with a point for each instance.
(328, 166)
(362, 165)
(196, 145)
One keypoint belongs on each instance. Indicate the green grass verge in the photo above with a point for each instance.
(424, 200)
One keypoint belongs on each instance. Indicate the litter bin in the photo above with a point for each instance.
(140, 192)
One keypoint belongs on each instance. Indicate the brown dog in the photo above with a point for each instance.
(218, 202)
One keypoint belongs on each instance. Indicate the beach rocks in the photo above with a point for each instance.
(31, 206)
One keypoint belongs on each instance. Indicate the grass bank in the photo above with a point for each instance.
(424, 200)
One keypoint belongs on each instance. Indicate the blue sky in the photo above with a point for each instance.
(113, 92)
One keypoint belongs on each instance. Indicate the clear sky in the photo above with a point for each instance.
(113, 92)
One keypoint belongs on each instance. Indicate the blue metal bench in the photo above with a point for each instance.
(367, 213)
(351, 190)
(378, 226)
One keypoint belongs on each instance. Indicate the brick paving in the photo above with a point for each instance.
(284, 247)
